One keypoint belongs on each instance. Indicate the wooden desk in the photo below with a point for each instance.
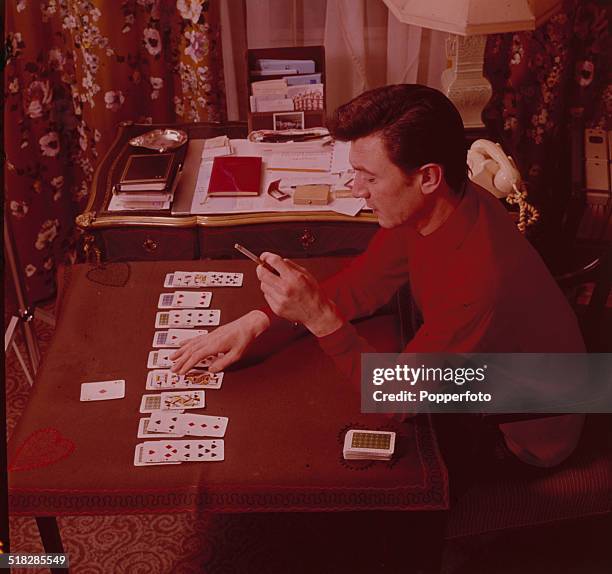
(288, 413)
(152, 236)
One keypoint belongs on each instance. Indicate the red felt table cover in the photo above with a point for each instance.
(288, 414)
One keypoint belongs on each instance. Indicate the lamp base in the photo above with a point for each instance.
(464, 83)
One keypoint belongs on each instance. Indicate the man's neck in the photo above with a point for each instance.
(439, 210)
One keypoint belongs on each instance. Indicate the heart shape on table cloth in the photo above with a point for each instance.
(42, 448)
(110, 274)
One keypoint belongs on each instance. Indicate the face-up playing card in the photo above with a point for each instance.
(183, 450)
(191, 279)
(172, 401)
(103, 390)
(144, 430)
(160, 451)
(139, 458)
(165, 422)
(202, 425)
(174, 337)
(185, 300)
(159, 379)
(161, 359)
(187, 318)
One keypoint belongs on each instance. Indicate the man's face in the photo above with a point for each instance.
(393, 197)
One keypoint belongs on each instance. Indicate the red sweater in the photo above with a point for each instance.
(480, 286)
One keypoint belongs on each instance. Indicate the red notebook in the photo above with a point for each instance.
(235, 175)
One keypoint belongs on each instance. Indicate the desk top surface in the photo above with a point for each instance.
(288, 413)
(110, 168)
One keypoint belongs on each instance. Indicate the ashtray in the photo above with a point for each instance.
(160, 140)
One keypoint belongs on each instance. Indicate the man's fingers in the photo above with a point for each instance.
(222, 362)
(276, 261)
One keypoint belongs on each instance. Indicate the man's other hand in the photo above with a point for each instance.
(296, 295)
(231, 339)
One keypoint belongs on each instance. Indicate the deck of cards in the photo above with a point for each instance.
(368, 445)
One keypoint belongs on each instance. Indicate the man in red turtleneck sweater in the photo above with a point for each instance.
(479, 284)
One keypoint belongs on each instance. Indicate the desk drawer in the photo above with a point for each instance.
(149, 244)
(310, 239)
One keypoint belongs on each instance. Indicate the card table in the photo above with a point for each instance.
(288, 411)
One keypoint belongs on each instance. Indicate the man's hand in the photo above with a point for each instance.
(297, 296)
(231, 339)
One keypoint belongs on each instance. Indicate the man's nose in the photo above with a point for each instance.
(359, 190)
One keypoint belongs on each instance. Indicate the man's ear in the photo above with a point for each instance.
(432, 176)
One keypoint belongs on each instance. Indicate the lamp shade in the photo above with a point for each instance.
(469, 17)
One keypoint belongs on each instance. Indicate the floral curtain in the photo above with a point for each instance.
(539, 80)
(73, 70)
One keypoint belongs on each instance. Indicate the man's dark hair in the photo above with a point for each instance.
(417, 124)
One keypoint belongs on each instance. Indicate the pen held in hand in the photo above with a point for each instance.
(254, 258)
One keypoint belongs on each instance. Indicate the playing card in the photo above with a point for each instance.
(103, 390)
(187, 318)
(172, 280)
(161, 359)
(174, 337)
(159, 379)
(183, 450)
(160, 451)
(203, 379)
(165, 422)
(191, 279)
(366, 444)
(200, 450)
(202, 425)
(185, 300)
(139, 458)
(172, 401)
(144, 430)
(150, 403)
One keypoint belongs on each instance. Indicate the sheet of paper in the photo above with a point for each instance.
(117, 204)
(340, 157)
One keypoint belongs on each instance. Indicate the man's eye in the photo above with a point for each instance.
(371, 180)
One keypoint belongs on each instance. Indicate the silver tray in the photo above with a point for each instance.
(160, 140)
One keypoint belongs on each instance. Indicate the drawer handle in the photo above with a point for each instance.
(307, 239)
(149, 245)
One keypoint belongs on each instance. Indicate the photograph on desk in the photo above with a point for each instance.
(328, 304)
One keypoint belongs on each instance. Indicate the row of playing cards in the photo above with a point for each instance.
(368, 445)
(176, 424)
(185, 300)
(203, 279)
(177, 451)
(161, 379)
(186, 318)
